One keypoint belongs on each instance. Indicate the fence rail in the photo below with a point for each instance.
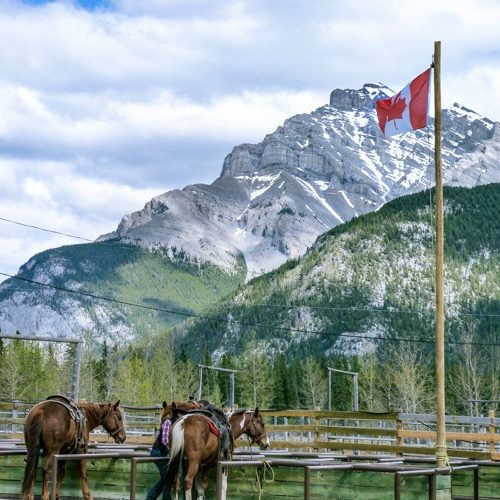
(389, 432)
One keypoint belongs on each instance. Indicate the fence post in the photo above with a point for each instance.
(14, 415)
(316, 432)
(399, 439)
(491, 432)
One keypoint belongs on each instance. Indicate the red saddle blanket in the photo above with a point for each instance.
(213, 427)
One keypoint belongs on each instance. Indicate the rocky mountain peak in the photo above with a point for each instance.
(364, 98)
(315, 171)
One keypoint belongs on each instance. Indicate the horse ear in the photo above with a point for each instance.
(256, 412)
(173, 405)
(115, 406)
(164, 404)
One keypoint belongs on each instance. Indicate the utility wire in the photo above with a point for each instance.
(133, 247)
(241, 323)
(46, 230)
(88, 240)
(296, 306)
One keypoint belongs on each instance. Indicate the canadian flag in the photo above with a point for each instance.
(408, 109)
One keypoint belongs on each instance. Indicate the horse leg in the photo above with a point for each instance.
(192, 470)
(61, 469)
(46, 471)
(83, 480)
(199, 485)
(30, 494)
(29, 490)
(204, 479)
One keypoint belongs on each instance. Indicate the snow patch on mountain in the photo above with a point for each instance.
(273, 199)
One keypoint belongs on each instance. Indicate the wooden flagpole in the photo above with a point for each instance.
(441, 453)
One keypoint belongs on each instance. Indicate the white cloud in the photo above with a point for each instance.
(103, 109)
(56, 197)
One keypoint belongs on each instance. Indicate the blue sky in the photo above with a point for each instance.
(106, 104)
(85, 4)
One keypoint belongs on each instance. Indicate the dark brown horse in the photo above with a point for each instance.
(195, 444)
(57, 425)
(176, 409)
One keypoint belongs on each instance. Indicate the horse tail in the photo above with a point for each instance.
(32, 440)
(176, 453)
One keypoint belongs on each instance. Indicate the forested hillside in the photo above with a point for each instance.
(361, 299)
(366, 291)
(128, 275)
(372, 277)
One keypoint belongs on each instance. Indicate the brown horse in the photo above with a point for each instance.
(58, 425)
(176, 409)
(195, 444)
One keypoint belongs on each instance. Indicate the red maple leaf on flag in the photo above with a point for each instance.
(390, 109)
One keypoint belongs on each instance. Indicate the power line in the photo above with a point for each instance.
(241, 323)
(308, 306)
(373, 310)
(332, 308)
(88, 240)
(46, 230)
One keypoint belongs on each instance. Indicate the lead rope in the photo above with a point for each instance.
(444, 456)
(261, 478)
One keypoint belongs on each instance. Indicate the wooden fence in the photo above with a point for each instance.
(393, 433)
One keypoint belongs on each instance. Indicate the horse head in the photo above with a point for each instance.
(113, 422)
(256, 430)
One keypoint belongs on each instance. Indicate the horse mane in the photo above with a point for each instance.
(94, 412)
(239, 411)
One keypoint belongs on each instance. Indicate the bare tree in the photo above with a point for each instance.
(469, 379)
(369, 384)
(408, 381)
(256, 380)
(11, 376)
(314, 384)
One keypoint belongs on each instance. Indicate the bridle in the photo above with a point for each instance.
(246, 429)
(118, 426)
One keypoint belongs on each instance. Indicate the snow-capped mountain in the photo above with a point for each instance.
(314, 172)
(270, 203)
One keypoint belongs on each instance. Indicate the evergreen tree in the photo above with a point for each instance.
(281, 391)
(2, 348)
(295, 377)
(227, 361)
(66, 370)
(102, 372)
(341, 390)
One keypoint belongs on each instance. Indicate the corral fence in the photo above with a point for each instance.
(308, 430)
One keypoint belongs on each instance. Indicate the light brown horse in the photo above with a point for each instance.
(55, 426)
(195, 444)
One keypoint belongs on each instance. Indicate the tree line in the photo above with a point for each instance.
(400, 379)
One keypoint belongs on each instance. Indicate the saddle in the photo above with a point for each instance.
(219, 421)
(75, 413)
(182, 408)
